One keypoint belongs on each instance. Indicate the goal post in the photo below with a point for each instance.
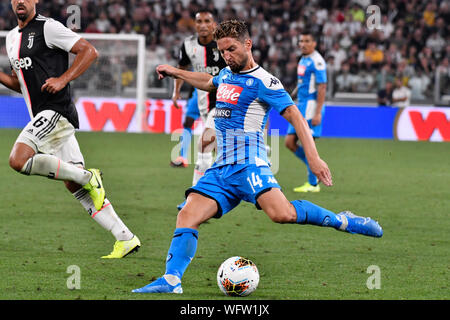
(119, 72)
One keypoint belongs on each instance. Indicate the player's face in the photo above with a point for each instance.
(234, 52)
(24, 8)
(307, 44)
(204, 24)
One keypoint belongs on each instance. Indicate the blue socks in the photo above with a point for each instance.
(309, 213)
(300, 153)
(185, 142)
(181, 251)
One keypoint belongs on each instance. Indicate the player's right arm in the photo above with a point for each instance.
(178, 83)
(200, 80)
(10, 81)
(183, 63)
(317, 165)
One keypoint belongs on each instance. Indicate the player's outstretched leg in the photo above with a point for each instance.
(309, 213)
(280, 210)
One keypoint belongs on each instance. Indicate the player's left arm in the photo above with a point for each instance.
(317, 165)
(321, 92)
(86, 54)
(200, 80)
(273, 94)
(320, 71)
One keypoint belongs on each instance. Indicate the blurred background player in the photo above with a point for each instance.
(310, 91)
(200, 52)
(191, 115)
(38, 50)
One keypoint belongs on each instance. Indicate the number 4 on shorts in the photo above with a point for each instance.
(255, 181)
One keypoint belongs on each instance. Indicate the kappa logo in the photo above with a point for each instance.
(228, 93)
(274, 82)
(271, 180)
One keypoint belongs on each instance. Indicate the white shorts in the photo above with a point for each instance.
(208, 119)
(51, 133)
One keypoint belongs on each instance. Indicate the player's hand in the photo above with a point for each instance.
(321, 171)
(53, 85)
(175, 98)
(317, 119)
(164, 70)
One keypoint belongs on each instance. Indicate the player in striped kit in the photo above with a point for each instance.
(38, 50)
(245, 94)
(200, 52)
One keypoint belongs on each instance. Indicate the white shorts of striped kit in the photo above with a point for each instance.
(51, 133)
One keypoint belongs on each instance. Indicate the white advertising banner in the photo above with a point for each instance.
(423, 124)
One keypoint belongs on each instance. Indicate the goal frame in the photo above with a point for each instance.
(141, 85)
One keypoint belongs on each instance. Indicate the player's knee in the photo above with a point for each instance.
(281, 218)
(187, 219)
(290, 144)
(72, 186)
(17, 163)
(283, 214)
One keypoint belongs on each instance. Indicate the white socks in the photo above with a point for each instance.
(54, 168)
(106, 216)
(204, 162)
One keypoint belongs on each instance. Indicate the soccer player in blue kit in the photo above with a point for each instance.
(245, 95)
(311, 89)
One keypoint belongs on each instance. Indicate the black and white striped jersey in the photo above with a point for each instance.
(38, 52)
(202, 58)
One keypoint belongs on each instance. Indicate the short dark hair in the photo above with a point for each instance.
(232, 29)
(307, 32)
(205, 10)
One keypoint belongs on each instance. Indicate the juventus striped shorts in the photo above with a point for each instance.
(51, 133)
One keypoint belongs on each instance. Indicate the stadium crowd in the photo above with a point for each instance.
(411, 42)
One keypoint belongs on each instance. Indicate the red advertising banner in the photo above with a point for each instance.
(120, 115)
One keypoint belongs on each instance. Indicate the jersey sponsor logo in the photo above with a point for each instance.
(222, 113)
(212, 70)
(301, 70)
(22, 63)
(228, 93)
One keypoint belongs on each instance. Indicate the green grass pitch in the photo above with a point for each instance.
(403, 185)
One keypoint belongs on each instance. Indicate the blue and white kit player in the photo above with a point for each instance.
(311, 90)
(245, 95)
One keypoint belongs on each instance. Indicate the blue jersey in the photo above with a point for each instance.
(243, 103)
(311, 70)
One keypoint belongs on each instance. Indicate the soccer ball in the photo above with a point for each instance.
(237, 276)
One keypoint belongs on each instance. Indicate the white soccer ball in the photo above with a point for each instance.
(237, 276)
